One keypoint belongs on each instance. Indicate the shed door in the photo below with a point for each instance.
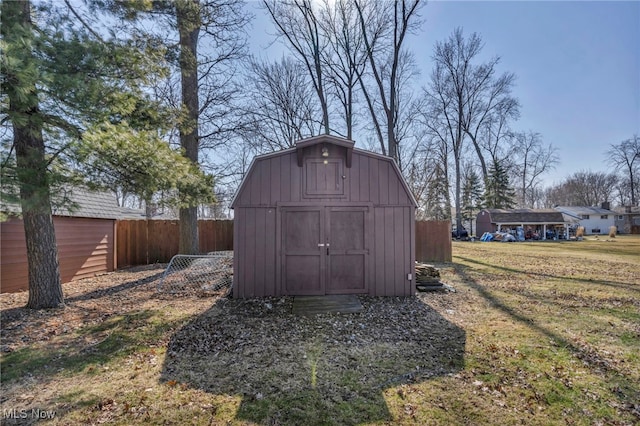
(348, 253)
(325, 250)
(303, 250)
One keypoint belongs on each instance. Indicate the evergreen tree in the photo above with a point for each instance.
(471, 196)
(60, 80)
(20, 78)
(498, 192)
(204, 40)
(437, 205)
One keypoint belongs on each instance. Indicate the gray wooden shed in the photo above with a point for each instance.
(323, 218)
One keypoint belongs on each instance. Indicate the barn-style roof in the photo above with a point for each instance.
(260, 172)
(529, 216)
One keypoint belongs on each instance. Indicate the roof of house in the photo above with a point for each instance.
(85, 203)
(529, 216)
(629, 210)
(580, 210)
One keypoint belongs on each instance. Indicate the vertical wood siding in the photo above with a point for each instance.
(483, 223)
(255, 233)
(433, 241)
(85, 248)
(276, 180)
(141, 242)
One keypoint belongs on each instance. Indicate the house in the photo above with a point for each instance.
(85, 236)
(627, 219)
(536, 223)
(323, 218)
(595, 220)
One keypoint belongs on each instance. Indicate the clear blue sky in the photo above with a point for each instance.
(577, 66)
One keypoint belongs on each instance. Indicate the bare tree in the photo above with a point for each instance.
(385, 55)
(345, 57)
(583, 188)
(468, 100)
(298, 23)
(494, 135)
(625, 157)
(530, 161)
(281, 106)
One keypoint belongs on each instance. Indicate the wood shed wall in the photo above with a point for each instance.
(276, 182)
(483, 223)
(85, 248)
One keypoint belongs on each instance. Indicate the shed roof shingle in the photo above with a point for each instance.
(86, 204)
(528, 216)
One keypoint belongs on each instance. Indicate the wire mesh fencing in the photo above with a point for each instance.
(210, 274)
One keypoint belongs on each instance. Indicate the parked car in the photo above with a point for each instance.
(463, 234)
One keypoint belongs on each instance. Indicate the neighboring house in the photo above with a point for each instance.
(323, 218)
(595, 220)
(538, 223)
(627, 220)
(85, 236)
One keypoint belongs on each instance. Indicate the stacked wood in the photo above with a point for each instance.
(427, 277)
(427, 274)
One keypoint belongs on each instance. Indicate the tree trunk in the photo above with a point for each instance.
(45, 288)
(188, 18)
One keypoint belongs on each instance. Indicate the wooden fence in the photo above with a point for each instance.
(433, 241)
(142, 242)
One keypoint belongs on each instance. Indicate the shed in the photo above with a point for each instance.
(323, 218)
(535, 220)
(85, 237)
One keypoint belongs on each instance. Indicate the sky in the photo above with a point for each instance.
(577, 65)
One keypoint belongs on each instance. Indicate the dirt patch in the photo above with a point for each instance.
(88, 302)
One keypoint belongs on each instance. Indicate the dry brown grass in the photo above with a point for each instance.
(537, 333)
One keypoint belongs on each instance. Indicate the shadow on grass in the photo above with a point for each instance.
(324, 369)
(14, 317)
(110, 291)
(627, 391)
(91, 346)
(625, 286)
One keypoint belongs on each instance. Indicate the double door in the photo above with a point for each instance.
(325, 250)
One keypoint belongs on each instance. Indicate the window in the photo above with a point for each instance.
(604, 216)
(620, 217)
(584, 216)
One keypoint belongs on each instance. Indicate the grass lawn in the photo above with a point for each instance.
(536, 333)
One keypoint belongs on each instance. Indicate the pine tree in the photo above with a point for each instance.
(437, 205)
(471, 196)
(20, 77)
(498, 192)
(60, 82)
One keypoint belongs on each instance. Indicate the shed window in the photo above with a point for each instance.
(323, 178)
(584, 216)
(604, 216)
(620, 217)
